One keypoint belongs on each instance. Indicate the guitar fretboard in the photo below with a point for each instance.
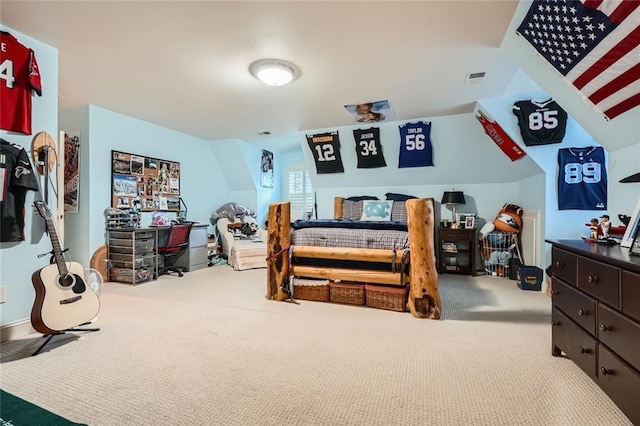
(55, 243)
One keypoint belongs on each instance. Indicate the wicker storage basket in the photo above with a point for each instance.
(308, 289)
(383, 297)
(350, 293)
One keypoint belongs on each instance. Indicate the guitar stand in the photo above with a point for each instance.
(57, 333)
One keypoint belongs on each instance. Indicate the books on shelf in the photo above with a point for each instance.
(449, 248)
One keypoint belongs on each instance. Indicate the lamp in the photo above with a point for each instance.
(274, 72)
(453, 198)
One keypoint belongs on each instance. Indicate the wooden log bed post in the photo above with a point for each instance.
(424, 297)
(279, 240)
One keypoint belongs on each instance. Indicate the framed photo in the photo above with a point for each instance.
(632, 229)
(635, 244)
(469, 222)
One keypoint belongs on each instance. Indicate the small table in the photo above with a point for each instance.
(457, 250)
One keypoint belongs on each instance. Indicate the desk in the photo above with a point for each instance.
(131, 252)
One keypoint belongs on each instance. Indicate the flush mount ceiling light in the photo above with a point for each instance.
(274, 72)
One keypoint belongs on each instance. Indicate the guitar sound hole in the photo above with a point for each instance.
(74, 281)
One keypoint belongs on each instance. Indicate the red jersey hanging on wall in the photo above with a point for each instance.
(19, 76)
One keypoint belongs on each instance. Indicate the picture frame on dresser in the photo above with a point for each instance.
(635, 245)
(632, 228)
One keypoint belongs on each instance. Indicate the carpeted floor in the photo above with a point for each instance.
(209, 349)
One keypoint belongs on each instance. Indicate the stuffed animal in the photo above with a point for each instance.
(509, 218)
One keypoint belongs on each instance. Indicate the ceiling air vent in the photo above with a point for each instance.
(266, 132)
(474, 77)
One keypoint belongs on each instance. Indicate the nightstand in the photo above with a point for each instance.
(457, 250)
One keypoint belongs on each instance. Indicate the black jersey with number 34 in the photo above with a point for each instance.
(325, 148)
(540, 122)
(368, 148)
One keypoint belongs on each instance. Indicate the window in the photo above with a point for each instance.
(300, 191)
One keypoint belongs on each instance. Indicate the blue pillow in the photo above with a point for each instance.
(398, 197)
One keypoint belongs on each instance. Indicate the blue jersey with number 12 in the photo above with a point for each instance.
(582, 179)
(415, 145)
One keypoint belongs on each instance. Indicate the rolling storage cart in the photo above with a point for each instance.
(131, 255)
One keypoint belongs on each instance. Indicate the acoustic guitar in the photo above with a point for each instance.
(63, 299)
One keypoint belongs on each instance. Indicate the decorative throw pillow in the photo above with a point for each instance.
(399, 211)
(373, 210)
(351, 210)
(398, 197)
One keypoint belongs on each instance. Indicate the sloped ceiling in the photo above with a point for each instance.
(184, 65)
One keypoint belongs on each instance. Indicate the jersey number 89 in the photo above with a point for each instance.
(578, 172)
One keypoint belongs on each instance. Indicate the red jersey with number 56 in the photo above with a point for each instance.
(19, 75)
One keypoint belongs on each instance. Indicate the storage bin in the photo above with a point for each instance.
(385, 297)
(310, 289)
(529, 277)
(349, 293)
(132, 276)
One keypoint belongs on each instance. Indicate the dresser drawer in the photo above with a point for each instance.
(564, 264)
(575, 304)
(620, 382)
(578, 345)
(620, 334)
(631, 294)
(456, 234)
(600, 280)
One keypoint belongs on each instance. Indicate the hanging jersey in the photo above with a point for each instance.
(19, 76)
(325, 148)
(582, 179)
(368, 148)
(16, 178)
(415, 145)
(540, 122)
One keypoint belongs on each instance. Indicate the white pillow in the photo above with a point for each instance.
(374, 210)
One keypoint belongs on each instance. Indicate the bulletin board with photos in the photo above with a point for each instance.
(152, 181)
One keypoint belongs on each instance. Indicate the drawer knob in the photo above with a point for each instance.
(604, 371)
(583, 350)
(554, 323)
(559, 264)
(592, 279)
(554, 291)
(582, 312)
(604, 328)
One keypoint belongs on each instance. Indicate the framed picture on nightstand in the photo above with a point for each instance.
(469, 222)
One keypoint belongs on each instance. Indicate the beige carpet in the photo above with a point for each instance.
(209, 349)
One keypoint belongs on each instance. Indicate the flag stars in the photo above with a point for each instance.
(592, 36)
(583, 45)
(572, 10)
(601, 27)
(587, 18)
(590, 27)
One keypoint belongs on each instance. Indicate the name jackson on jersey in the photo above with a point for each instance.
(325, 148)
(368, 148)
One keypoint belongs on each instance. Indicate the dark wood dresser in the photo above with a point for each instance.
(596, 316)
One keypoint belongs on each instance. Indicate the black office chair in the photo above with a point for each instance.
(177, 242)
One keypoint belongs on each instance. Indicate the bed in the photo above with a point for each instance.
(409, 259)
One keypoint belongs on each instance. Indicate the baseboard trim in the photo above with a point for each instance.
(13, 330)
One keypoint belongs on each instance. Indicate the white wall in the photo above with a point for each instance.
(623, 197)
(18, 260)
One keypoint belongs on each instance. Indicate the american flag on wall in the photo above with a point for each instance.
(595, 44)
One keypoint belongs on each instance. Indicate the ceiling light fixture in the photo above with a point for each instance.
(274, 72)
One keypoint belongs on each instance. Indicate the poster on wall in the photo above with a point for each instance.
(152, 182)
(266, 167)
(371, 112)
(71, 171)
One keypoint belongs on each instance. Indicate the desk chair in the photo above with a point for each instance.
(177, 242)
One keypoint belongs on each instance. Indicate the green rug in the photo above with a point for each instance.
(15, 411)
